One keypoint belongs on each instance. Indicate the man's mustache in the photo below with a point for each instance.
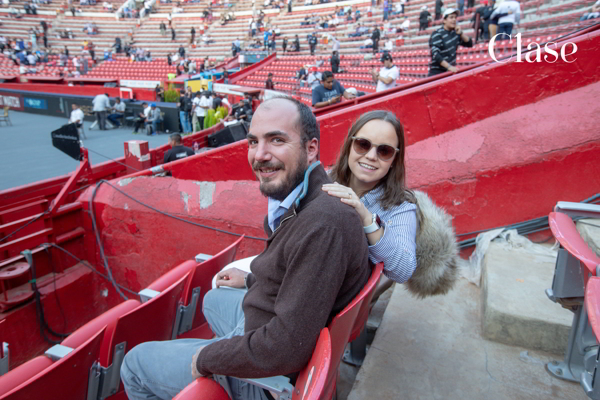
(259, 165)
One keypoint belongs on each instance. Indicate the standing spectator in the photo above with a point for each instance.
(118, 111)
(375, 36)
(184, 105)
(312, 42)
(438, 9)
(509, 13)
(253, 27)
(284, 43)
(141, 117)
(160, 93)
(269, 83)
(169, 62)
(77, 119)
(335, 62)
(193, 33)
(163, 28)
(177, 150)
(335, 44)
(485, 12)
(289, 4)
(226, 77)
(424, 19)
(181, 52)
(297, 44)
(100, 105)
(444, 42)
(461, 7)
(199, 108)
(386, 10)
(173, 35)
(387, 76)
(329, 92)
(154, 118)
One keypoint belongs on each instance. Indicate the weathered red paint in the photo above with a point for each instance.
(87, 90)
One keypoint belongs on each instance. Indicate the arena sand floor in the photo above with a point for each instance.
(27, 154)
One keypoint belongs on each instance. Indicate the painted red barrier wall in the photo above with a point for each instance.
(87, 90)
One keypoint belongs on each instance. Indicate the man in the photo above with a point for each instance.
(485, 12)
(460, 5)
(200, 104)
(335, 62)
(141, 117)
(154, 118)
(77, 119)
(160, 93)
(387, 76)
(510, 14)
(312, 42)
(314, 78)
(444, 42)
(329, 92)
(181, 52)
(438, 9)
(193, 33)
(297, 44)
(185, 106)
(314, 264)
(269, 83)
(118, 111)
(177, 150)
(375, 36)
(100, 105)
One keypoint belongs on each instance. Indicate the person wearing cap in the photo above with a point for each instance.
(387, 76)
(424, 18)
(329, 92)
(154, 118)
(444, 42)
(314, 78)
(118, 110)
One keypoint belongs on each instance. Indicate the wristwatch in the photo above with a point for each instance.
(375, 225)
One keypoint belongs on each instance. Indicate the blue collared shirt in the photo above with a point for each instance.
(397, 247)
(278, 208)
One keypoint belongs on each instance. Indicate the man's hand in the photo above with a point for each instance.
(195, 373)
(233, 277)
(453, 69)
(458, 30)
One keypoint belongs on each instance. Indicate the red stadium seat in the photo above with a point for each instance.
(564, 230)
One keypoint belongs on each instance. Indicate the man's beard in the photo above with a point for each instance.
(292, 180)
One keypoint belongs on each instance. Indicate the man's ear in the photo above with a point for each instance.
(312, 150)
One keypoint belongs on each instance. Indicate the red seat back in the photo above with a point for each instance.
(151, 321)
(66, 378)
(342, 325)
(564, 230)
(363, 314)
(310, 384)
(22, 373)
(203, 388)
(202, 277)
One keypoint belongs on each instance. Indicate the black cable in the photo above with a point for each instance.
(60, 308)
(27, 224)
(86, 264)
(171, 215)
(112, 159)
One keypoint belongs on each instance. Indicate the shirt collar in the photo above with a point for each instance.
(372, 196)
(277, 208)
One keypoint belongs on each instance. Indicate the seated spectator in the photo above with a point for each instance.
(177, 150)
(329, 92)
(360, 30)
(314, 78)
(118, 111)
(367, 44)
(269, 83)
(192, 67)
(593, 14)
(107, 6)
(141, 117)
(206, 39)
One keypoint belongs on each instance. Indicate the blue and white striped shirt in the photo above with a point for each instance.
(397, 247)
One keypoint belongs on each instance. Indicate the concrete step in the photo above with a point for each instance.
(589, 229)
(516, 310)
(433, 349)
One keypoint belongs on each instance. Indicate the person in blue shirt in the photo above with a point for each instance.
(329, 91)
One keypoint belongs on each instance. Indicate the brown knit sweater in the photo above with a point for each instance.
(314, 264)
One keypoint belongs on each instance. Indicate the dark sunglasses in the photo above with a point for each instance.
(362, 146)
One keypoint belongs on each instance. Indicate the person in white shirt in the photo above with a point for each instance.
(505, 24)
(314, 78)
(405, 25)
(387, 76)
(201, 103)
(118, 111)
(101, 104)
(31, 60)
(77, 119)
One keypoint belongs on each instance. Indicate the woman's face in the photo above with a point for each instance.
(368, 169)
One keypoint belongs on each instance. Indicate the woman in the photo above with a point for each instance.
(369, 176)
